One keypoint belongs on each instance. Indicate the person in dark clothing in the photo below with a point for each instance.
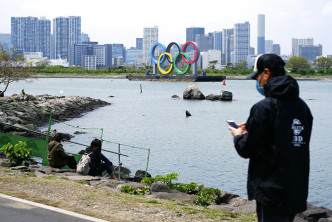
(57, 157)
(276, 139)
(99, 163)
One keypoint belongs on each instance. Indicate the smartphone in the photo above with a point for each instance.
(232, 123)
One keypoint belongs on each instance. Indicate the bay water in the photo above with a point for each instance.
(199, 148)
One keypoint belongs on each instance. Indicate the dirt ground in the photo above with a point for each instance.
(104, 202)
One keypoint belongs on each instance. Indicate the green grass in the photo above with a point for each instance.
(50, 177)
(82, 182)
(152, 202)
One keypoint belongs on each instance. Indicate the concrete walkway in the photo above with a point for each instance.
(18, 210)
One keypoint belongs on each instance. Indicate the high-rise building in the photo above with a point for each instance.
(227, 45)
(217, 41)
(306, 48)
(5, 40)
(297, 42)
(31, 34)
(205, 42)
(261, 35)
(132, 57)
(150, 37)
(44, 36)
(67, 33)
(24, 33)
(276, 49)
(310, 52)
(118, 50)
(85, 37)
(90, 55)
(139, 43)
(268, 46)
(192, 32)
(241, 42)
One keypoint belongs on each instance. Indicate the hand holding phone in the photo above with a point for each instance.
(232, 123)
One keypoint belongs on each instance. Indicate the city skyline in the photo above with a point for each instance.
(283, 20)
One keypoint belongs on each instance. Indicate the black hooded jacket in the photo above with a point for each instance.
(277, 143)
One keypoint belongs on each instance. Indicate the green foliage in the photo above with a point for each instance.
(167, 179)
(191, 188)
(13, 67)
(241, 65)
(204, 196)
(297, 63)
(207, 196)
(17, 154)
(148, 180)
(138, 191)
(80, 70)
(322, 63)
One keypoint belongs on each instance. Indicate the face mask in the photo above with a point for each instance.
(259, 89)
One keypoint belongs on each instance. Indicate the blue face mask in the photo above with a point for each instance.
(260, 89)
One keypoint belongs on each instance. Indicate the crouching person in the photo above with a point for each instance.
(99, 163)
(57, 158)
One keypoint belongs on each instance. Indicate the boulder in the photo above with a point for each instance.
(226, 95)
(160, 187)
(225, 198)
(313, 213)
(140, 174)
(175, 97)
(192, 92)
(213, 97)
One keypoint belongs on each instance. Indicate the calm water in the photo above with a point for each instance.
(199, 148)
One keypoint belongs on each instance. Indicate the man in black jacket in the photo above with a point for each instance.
(276, 139)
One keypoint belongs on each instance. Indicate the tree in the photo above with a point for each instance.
(322, 63)
(13, 67)
(296, 63)
(212, 64)
(229, 65)
(241, 65)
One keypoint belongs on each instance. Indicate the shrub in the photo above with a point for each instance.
(17, 154)
(148, 180)
(138, 191)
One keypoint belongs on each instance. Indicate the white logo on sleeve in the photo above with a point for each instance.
(297, 129)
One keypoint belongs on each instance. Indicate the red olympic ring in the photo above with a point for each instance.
(196, 52)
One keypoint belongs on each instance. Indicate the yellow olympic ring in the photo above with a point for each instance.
(170, 68)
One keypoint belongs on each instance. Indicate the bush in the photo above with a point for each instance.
(138, 191)
(18, 154)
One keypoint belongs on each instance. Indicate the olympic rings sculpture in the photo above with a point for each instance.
(166, 54)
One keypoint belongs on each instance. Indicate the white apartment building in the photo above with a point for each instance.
(150, 37)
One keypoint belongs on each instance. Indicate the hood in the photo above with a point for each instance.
(282, 87)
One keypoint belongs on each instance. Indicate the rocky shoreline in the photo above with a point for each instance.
(227, 202)
(20, 113)
(30, 112)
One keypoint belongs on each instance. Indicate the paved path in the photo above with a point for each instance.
(17, 210)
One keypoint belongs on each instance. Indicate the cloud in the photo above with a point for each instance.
(327, 9)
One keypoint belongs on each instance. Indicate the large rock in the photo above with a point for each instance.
(160, 187)
(31, 114)
(192, 92)
(223, 96)
(226, 95)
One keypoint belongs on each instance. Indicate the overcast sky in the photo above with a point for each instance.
(122, 21)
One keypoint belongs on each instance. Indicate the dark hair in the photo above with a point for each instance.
(95, 145)
(273, 62)
(58, 137)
